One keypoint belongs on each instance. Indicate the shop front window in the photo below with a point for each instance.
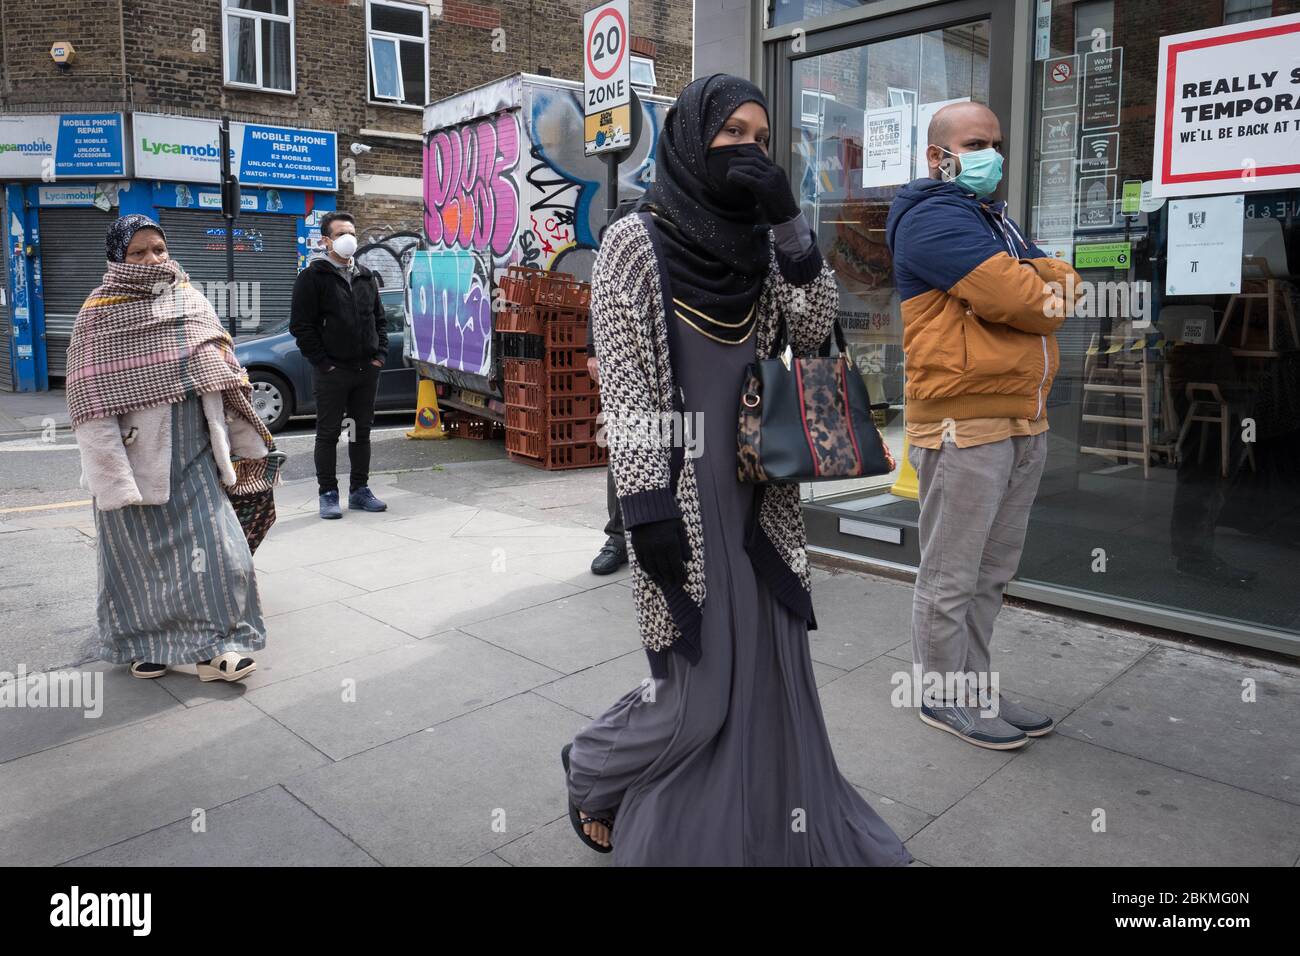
(860, 117)
(1173, 476)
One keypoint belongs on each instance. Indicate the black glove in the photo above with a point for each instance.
(662, 550)
(768, 182)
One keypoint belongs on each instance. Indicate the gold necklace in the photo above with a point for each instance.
(716, 338)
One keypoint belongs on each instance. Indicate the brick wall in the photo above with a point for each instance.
(173, 64)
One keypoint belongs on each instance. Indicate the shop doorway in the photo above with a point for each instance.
(852, 109)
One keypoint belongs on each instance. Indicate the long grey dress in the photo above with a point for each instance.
(729, 764)
(176, 583)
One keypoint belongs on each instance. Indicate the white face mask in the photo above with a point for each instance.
(345, 245)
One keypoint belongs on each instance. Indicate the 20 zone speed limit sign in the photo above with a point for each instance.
(607, 77)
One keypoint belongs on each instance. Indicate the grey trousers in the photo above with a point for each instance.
(974, 512)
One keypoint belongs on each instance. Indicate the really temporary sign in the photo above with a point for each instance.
(1228, 109)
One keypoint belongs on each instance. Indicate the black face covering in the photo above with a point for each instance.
(715, 247)
(718, 160)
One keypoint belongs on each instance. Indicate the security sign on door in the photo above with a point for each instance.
(607, 77)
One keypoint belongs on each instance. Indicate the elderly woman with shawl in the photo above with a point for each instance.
(160, 407)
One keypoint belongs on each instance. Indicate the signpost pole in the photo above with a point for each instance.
(229, 210)
(612, 160)
(612, 111)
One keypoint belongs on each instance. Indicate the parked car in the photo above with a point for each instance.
(281, 377)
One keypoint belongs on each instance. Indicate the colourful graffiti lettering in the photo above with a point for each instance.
(451, 310)
(471, 201)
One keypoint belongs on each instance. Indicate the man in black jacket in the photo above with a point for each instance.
(338, 322)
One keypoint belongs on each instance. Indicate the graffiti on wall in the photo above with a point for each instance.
(471, 211)
(386, 249)
(511, 188)
(471, 199)
(564, 188)
(451, 310)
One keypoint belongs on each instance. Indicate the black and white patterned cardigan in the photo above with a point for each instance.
(630, 330)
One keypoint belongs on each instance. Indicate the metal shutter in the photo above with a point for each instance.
(266, 251)
(72, 265)
(6, 369)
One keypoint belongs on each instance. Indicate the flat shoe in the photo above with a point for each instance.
(230, 666)
(144, 670)
(578, 820)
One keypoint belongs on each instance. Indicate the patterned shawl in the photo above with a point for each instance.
(146, 337)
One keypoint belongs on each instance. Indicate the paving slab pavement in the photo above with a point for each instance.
(425, 665)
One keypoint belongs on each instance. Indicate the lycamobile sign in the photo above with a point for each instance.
(210, 150)
(39, 146)
(61, 146)
(181, 149)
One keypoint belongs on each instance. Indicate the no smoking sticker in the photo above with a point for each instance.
(1061, 83)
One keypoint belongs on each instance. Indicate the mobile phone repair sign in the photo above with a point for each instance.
(1228, 109)
(607, 77)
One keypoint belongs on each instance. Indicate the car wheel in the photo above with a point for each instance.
(272, 399)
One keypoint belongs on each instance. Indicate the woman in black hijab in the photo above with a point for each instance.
(721, 757)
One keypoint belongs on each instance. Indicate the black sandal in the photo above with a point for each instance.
(575, 815)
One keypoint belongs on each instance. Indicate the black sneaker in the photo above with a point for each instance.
(611, 557)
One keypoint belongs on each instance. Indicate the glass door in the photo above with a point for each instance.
(858, 102)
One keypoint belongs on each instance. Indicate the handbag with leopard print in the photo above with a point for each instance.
(807, 419)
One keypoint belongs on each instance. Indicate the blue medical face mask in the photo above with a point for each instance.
(981, 170)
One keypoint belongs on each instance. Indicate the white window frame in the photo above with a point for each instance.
(813, 119)
(397, 39)
(227, 11)
(654, 80)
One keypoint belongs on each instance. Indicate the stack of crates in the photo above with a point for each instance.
(551, 401)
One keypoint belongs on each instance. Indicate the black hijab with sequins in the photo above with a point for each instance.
(713, 240)
(119, 235)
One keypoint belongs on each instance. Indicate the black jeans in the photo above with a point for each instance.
(613, 527)
(346, 391)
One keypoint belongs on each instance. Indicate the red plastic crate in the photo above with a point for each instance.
(579, 295)
(523, 395)
(564, 433)
(518, 284)
(562, 359)
(574, 456)
(468, 426)
(565, 334)
(573, 382)
(525, 419)
(553, 288)
(518, 318)
(555, 313)
(562, 407)
(524, 443)
(524, 371)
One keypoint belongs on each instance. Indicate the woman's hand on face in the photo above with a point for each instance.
(769, 184)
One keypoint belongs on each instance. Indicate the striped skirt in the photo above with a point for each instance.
(176, 581)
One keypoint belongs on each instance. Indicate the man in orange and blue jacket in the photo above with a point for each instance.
(980, 306)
